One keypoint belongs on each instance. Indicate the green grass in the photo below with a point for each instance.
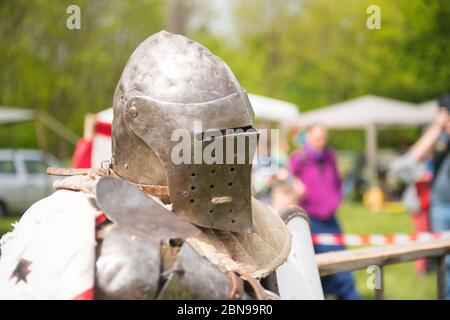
(401, 282)
(5, 223)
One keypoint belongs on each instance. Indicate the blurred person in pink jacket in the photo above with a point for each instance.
(321, 195)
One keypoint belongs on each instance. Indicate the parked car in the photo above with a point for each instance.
(23, 179)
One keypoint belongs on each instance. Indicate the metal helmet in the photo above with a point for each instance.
(169, 83)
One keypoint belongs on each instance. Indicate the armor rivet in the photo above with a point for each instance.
(133, 111)
(126, 165)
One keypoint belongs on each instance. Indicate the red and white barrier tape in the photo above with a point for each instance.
(373, 239)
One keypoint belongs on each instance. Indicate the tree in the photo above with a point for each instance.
(68, 72)
(317, 52)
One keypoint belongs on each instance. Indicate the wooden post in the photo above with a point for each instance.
(40, 135)
(379, 284)
(371, 153)
(89, 126)
(441, 287)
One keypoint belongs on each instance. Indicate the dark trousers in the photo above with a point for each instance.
(340, 285)
(440, 221)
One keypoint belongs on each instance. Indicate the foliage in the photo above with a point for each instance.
(310, 52)
(65, 72)
(317, 52)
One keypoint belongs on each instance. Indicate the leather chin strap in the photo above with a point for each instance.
(257, 289)
(237, 286)
(155, 190)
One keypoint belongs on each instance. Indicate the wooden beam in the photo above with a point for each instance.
(350, 260)
(76, 171)
(57, 127)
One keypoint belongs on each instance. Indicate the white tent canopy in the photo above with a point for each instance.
(428, 110)
(274, 110)
(366, 111)
(105, 115)
(9, 115)
(264, 108)
(13, 115)
(369, 113)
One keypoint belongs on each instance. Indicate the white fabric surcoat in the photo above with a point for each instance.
(50, 254)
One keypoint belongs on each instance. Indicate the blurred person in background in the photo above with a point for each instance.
(268, 171)
(436, 142)
(286, 190)
(440, 185)
(414, 169)
(262, 172)
(320, 195)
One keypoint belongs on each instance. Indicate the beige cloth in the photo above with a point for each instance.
(84, 183)
(256, 254)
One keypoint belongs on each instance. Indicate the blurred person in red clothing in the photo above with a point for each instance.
(415, 169)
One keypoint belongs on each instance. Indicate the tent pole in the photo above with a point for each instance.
(89, 126)
(371, 152)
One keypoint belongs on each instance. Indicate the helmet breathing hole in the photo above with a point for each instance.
(192, 200)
